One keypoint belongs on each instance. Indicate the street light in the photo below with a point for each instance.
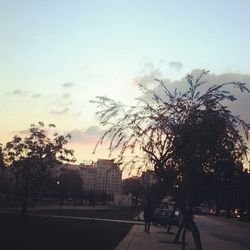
(59, 192)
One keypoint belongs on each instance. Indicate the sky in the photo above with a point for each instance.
(56, 56)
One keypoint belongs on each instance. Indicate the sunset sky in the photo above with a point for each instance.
(56, 56)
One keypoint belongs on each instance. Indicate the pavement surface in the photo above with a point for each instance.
(222, 233)
(216, 233)
(156, 239)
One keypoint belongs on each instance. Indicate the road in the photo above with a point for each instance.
(221, 233)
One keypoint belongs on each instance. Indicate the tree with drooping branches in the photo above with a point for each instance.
(182, 134)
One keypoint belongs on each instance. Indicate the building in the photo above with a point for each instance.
(148, 178)
(109, 177)
(102, 176)
(88, 174)
(123, 200)
(114, 180)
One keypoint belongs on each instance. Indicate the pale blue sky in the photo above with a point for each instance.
(102, 47)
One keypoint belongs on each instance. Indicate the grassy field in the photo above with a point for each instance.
(42, 233)
(113, 213)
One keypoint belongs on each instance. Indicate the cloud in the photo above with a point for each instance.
(36, 96)
(18, 92)
(66, 95)
(147, 79)
(175, 65)
(60, 112)
(69, 103)
(23, 93)
(238, 107)
(22, 133)
(149, 66)
(67, 85)
(86, 136)
(65, 111)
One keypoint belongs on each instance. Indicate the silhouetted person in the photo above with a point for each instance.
(148, 213)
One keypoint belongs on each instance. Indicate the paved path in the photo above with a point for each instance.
(216, 233)
(157, 239)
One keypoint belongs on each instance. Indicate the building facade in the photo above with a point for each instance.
(88, 174)
(148, 178)
(103, 176)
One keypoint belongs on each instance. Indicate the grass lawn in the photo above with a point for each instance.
(42, 233)
(114, 213)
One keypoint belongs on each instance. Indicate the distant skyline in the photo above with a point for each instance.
(56, 56)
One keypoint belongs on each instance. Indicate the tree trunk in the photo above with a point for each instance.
(177, 236)
(183, 240)
(24, 206)
(188, 222)
(196, 235)
(228, 203)
(217, 204)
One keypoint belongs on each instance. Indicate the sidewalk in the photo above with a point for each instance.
(157, 239)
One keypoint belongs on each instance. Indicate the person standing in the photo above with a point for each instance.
(148, 214)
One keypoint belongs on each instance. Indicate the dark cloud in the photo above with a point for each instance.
(93, 130)
(175, 65)
(18, 92)
(22, 93)
(67, 85)
(90, 135)
(147, 78)
(239, 107)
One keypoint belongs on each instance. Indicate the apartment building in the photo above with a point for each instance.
(103, 176)
(114, 180)
(88, 174)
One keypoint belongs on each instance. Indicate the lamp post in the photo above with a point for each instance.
(59, 194)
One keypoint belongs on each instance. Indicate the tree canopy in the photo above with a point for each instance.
(174, 128)
(183, 134)
(1, 157)
(32, 159)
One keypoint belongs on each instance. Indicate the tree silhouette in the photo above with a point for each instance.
(70, 185)
(33, 158)
(2, 165)
(134, 187)
(182, 134)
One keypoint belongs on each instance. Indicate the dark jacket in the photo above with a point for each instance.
(148, 213)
